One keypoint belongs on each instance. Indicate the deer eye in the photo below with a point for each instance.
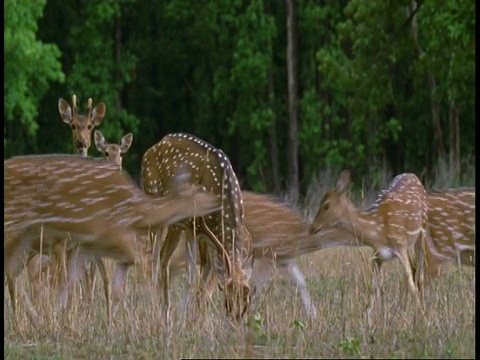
(106, 153)
(89, 127)
(326, 207)
(74, 127)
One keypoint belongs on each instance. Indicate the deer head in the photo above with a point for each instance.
(81, 125)
(113, 152)
(333, 206)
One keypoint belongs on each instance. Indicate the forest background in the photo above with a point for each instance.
(287, 89)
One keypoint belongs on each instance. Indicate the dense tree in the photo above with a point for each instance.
(380, 85)
(30, 65)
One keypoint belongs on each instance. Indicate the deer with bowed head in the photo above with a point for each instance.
(450, 238)
(276, 232)
(222, 231)
(99, 207)
(395, 223)
(451, 224)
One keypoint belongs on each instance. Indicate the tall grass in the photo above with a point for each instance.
(277, 325)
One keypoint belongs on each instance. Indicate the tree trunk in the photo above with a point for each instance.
(292, 147)
(272, 134)
(437, 126)
(118, 58)
(454, 140)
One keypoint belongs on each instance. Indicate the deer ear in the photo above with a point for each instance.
(98, 113)
(65, 111)
(343, 181)
(126, 142)
(99, 141)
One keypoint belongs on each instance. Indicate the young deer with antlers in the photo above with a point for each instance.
(222, 231)
(395, 223)
(99, 207)
(82, 127)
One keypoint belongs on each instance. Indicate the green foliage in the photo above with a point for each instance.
(298, 324)
(29, 67)
(350, 346)
(104, 78)
(218, 70)
(256, 324)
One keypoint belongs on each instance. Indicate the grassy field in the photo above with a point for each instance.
(276, 327)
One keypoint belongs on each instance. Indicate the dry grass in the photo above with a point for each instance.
(278, 328)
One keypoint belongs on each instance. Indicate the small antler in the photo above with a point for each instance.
(74, 105)
(89, 107)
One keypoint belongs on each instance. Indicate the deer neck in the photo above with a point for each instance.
(366, 227)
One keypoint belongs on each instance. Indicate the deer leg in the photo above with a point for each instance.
(376, 278)
(298, 280)
(89, 279)
(123, 245)
(15, 251)
(75, 260)
(118, 285)
(35, 268)
(191, 253)
(168, 247)
(106, 287)
(404, 259)
(60, 258)
(420, 265)
(374, 285)
(158, 241)
(11, 284)
(206, 273)
(261, 275)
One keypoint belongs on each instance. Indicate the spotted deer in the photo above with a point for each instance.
(111, 151)
(222, 231)
(99, 207)
(451, 224)
(279, 235)
(451, 229)
(81, 125)
(395, 223)
(276, 231)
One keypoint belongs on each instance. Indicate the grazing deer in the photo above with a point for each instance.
(451, 224)
(276, 232)
(222, 231)
(451, 228)
(99, 207)
(395, 223)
